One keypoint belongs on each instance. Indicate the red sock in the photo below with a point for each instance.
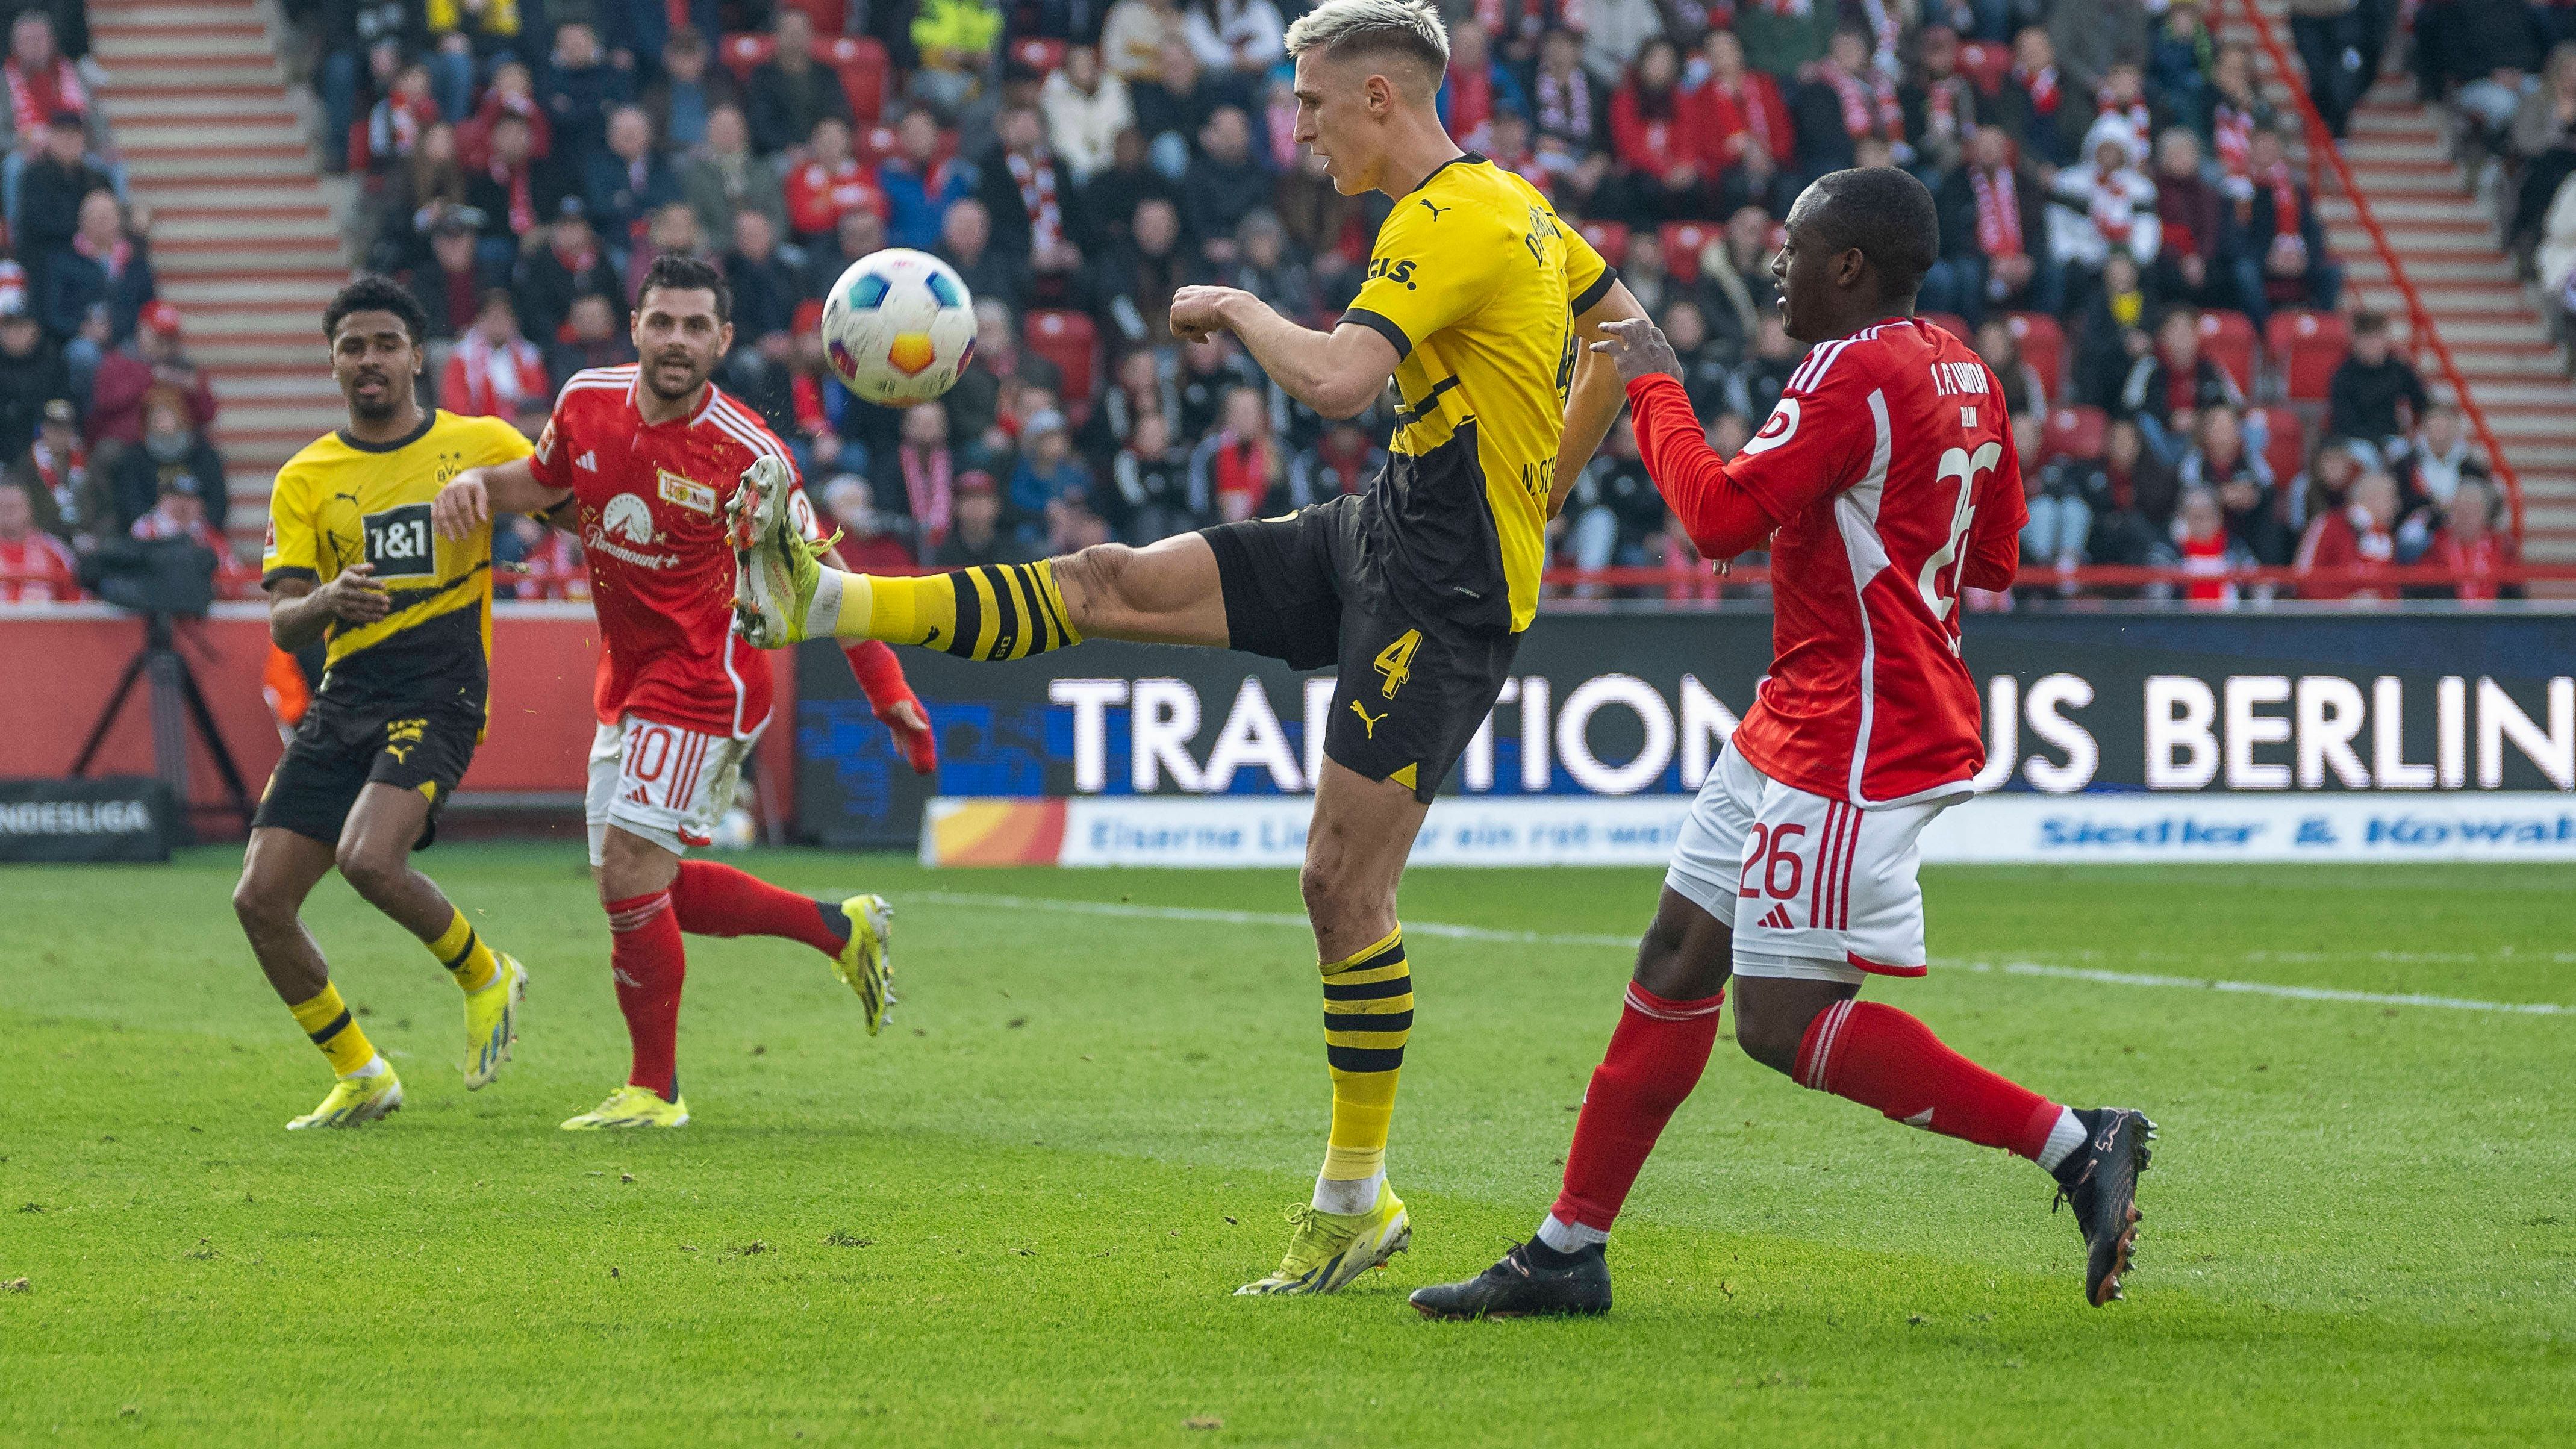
(718, 900)
(1880, 1057)
(1655, 1058)
(648, 962)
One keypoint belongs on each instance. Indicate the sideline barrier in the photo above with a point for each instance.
(2420, 720)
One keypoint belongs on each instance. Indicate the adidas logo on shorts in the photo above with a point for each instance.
(1778, 920)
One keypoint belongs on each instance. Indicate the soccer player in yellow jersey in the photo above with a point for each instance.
(1479, 305)
(352, 559)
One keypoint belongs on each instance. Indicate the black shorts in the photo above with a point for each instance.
(1412, 690)
(339, 750)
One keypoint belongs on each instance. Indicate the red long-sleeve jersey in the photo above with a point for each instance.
(1885, 480)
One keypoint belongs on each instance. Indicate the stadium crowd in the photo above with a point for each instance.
(2122, 236)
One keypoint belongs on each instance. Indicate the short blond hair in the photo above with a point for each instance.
(1410, 28)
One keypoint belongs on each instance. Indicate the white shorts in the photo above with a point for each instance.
(665, 783)
(1812, 888)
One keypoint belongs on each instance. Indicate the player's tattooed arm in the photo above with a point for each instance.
(1593, 394)
(299, 613)
(472, 497)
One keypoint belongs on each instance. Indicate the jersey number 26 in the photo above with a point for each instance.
(1963, 465)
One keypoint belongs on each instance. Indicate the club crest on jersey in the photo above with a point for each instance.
(687, 494)
(1778, 428)
(627, 517)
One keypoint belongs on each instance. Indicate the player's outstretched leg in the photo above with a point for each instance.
(1667, 1025)
(856, 934)
(1167, 593)
(278, 871)
(1880, 1057)
(374, 857)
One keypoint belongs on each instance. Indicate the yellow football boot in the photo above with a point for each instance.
(492, 1022)
(355, 1100)
(631, 1106)
(866, 962)
(1328, 1250)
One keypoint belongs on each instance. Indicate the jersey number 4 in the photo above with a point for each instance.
(1395, 661)
(1963, 465)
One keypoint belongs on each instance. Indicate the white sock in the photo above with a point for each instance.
(823, 616)
(1348, 1196)
(1567, 1237)
(376, 1066)
(2063, 1139)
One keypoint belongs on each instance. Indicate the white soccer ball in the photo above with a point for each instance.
(898, 327)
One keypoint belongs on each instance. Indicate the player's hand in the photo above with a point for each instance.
(1198, 313)
(1637, 348)
(912, 735)
(355, 597)
(461, 507)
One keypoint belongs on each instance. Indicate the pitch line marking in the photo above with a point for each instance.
(1548, 938)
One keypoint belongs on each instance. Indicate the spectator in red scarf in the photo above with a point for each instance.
(920, 473)
(1237, 464)
(2470, 547)
(2358, 537)
(513, 92)
(591, 336)
(35, 567)
(1341, 461)
(2201, 545)
(2169, 383)
(507, 189)
(2220, 459)
(395, 126)
(1848, 100)
(571, 263)
(1570, 114)
(628, 179)
(1994, 236)
(2275, 246)
(1659, 156)
(2236, 112)
(1477, 87)
(870, 538)
(107, 265)
(41, 81)
(493, 366)
(1940, 101)
(1024, 190)
(1751, 144)
(2035, 105)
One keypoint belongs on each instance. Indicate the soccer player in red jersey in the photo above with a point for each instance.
(1885, 481)
(640, 459)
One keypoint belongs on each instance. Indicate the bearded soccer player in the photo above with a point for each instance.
(1885, 480)
(1417, 590)
(641, 459)
(408, 620)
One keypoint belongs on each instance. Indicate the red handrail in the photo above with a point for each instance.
(2116, 576)
(2321, 144)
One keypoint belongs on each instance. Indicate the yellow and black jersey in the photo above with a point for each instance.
(1477, 284)
(341, 502)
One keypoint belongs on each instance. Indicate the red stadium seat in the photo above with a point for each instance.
(2043, 345)
(864, 69)
(1950, 322)
(1066, 339)
(1037, 55)
(1683, 241)
(859, 61)
(2227, 338)
(2075, 432)
(1985, 62)
(2306, 346)
(745, 53)
(830, 17)
(2285, 441)
(1609, 238)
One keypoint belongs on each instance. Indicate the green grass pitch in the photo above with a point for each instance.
(1016, 1218)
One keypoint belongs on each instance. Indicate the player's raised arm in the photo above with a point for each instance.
(1336, 373)
(472, 497)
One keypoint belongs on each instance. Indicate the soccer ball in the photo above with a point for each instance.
(898, 327)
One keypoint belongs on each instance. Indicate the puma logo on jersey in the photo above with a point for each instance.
(930, 638)
(1434, 210)
(1367, 723)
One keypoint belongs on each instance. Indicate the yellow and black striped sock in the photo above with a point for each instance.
(326, 1019)
(996, 611)
(1368, 1013)
(460, 949)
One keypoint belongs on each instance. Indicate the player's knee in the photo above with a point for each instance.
(1095, 583)
(260, 907)
(371, 873)
(1680, 965)
(1769, 1037)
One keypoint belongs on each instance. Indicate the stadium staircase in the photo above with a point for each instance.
(2445, 243)
(243, 239)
